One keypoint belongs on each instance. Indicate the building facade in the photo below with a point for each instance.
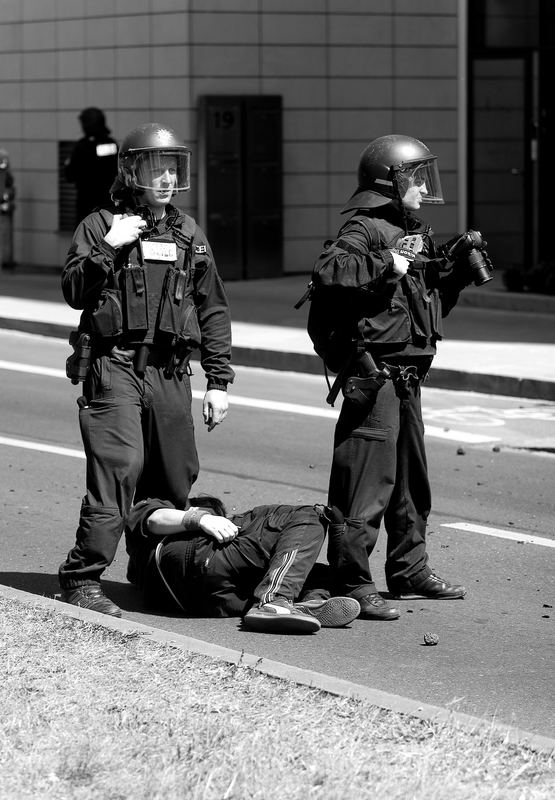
(345, 72)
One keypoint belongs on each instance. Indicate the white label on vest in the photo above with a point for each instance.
(159, 251)
(106, 149)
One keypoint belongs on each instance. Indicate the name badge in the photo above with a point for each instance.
(159, 251)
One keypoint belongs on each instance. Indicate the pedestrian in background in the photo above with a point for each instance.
(7, 208)
(393, 289)
(93, 164)
(144, 276)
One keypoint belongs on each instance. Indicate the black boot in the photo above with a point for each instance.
(90, 596)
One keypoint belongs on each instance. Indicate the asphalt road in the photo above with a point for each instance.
(492, 468)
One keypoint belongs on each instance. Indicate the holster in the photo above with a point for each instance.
(362, 388)
(78, 363)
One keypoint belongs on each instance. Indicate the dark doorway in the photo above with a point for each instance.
(503, 152)
(240, 183)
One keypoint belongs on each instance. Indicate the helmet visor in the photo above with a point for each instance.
(422, 174)
(160, 169)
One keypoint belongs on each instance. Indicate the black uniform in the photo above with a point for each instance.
(92, 167)
(379, 468)
(146, 308)
(271, 556)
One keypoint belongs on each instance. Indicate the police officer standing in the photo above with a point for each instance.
(144, 276)
(386, 256)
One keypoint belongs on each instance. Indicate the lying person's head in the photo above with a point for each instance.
(210, 502)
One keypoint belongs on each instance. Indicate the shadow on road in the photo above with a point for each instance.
(46, 584)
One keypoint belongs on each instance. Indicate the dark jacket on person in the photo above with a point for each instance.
(92, 167)
(392, 317)
(130, 299)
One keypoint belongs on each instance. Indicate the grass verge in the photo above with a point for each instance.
(89, 712)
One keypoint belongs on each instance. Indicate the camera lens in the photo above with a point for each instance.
(479, 267)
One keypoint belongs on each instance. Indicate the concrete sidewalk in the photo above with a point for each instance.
(269, 332)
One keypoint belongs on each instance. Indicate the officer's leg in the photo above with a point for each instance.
(171, 460)
(109, 418)
(409, 507)
(361, 481)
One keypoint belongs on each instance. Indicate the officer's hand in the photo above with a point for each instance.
(124, 230)
(400, 264)
(214, 407)
(220, 528)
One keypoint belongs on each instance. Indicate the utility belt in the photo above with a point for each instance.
(362, 378)
(174, 361)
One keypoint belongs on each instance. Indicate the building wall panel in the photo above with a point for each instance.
(347, 71)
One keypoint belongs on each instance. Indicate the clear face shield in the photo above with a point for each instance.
(421, 175)
(160, 169)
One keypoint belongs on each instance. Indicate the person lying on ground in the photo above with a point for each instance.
(252, 565)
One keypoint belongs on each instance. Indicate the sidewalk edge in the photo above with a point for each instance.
(281, 360)
(277, 669)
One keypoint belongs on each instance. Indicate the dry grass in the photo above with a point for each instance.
(90, 713)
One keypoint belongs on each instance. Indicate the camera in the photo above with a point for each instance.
(472, 247)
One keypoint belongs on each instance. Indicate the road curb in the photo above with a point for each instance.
(507, 301)
(459, 380)
(277, 669)
(531, 388)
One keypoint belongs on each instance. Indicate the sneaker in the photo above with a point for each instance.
(280, 616)
(92, 597)
(432, 587)
(373, 606)
(336, 612)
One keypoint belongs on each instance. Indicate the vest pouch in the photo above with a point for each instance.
(136, 301)
(189, 332)
(107, 318)
(178, 314)
(389, 324)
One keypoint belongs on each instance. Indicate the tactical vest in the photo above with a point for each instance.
(150, 294)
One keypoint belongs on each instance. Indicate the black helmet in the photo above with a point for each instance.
(147, 150)
(386, 169)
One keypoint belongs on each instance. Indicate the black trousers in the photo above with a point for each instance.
(138, 435)
(379, 472)
(271, 557)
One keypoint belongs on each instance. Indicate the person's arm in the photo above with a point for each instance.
(215, 326)
(355, 261)
(91, 258)
(165, 521)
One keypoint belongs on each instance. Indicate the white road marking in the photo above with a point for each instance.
(33, 369)
(41, 447)
(461, 526)
(499, 532)
(274, 405)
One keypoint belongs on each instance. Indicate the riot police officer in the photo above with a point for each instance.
(144, 276)
(386, 256)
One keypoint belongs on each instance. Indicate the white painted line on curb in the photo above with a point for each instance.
(274, 405)
(500, 533)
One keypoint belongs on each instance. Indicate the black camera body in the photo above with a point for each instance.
(472, 247)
